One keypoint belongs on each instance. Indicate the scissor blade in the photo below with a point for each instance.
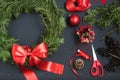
(94, 55)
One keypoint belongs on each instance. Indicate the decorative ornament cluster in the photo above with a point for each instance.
(85, 33)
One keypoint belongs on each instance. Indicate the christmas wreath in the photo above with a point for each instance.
(49, 12)
(50, 41)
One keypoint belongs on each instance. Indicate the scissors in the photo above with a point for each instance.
(96, 69)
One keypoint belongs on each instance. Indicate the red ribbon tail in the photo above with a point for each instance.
(73, 70)
(50, 67)
(28, 73)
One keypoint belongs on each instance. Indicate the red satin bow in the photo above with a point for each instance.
(20, 53)
(81, 5)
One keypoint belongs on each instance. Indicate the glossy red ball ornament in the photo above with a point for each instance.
(74, 19)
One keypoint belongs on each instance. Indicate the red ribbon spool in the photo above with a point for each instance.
(81, 5)
(83, 55)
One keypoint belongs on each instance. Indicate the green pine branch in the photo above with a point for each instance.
(103, 17)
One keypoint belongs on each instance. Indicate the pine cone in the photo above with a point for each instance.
(79, 63)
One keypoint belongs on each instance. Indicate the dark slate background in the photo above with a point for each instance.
(27, 28)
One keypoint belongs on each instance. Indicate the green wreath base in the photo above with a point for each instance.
(49, 12)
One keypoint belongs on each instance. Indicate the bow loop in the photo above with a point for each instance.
(20, 53)
(40, 51)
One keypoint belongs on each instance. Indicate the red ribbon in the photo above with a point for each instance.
(20, 53)
(81, 5)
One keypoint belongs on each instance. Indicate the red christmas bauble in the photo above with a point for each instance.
(74, 19)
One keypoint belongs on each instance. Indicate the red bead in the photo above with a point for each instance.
(74, 19)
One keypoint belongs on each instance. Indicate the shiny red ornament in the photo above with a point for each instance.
(77, 5)
(84, 55)
(20, 53)
(74, 19)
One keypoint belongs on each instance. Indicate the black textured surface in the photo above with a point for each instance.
(28, 30)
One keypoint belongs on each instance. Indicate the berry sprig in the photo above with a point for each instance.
(85, 33)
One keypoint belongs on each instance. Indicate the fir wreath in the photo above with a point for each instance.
(49, 12)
